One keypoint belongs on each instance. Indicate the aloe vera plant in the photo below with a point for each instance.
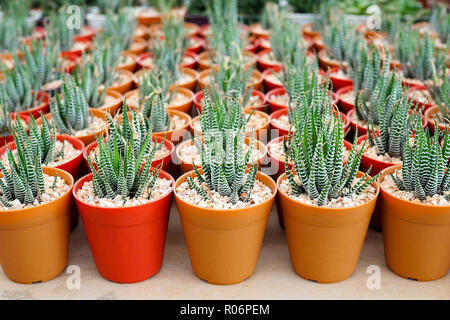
(317, 155)
(417, 55)
(124, 174)
(396, 125)
(24, 181)
(223, 160)
(21, 94)
(425, 170)
(387, 90)
(72, 114)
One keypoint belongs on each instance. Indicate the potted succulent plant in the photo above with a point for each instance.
(326, 205)
(439, 115)
(21, 94)
(124, 205)
(34, 219)
(128, 124)
(6, 120)
(224, 205)
(415, 206)
(71, 115)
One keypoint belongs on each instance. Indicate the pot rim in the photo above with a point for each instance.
(88, 177)
(375, 184)
(182, 178)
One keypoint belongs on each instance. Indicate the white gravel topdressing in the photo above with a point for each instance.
(259, 194)
(49, 194)
(389, 186)
(69, 153)
(161, 188)
(341, 202)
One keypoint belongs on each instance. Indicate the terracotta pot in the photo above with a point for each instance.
(224, 245)
(325, 62)
(198, 98)
(186, 166)
(127, 243)
(345, 106)
(179, 134)
(130, 65)
(36, 111)
(260, 133)
(325, 243)
(7, 139)
(204, 76)
(339, 82)
(112, 108)
(264, 64)
(429, 116)
(126, 85)
(86, 139)
(149, 17)
(34, 242)
(416, 236)
(167, 164)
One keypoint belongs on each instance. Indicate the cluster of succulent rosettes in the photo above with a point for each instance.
(5, 116)
(71, 114)
(425, 168)
(24, 180)
(43, 63)
(396, 125)
(439, 90)
(386, 92)
(316, 152)
(418, 54)
(41, 141)
(126, 174)
(133, 129)
(101, 63)
(58, 31)
(287, 46)
(440, 21)
(155, 111)
(368, 70)
(119, 28)
(19, 89)
(341, 41)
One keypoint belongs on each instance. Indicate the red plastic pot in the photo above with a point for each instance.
(127, 243)
(87, 36)
(410, 83)
(36, 112)
(78, 52)
(167, 165)
(420, 104)
(344, 105)
(270, 85)
(7, 139)
(193, 64)
(198, 46)
(262, 65)
(274, 106)
(337, 81)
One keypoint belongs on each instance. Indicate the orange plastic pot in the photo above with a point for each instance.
(138, 46)
(259, 32)
(324, 243)
(326, 62)
(224, 245)
(129, 66)
(126, 85)
(34, 242)
(167, 160)
(430, 117)
(149, 17)
(308, 30)
(114, 107)
(86, 139)
(184, 106)
(127, 243)
(187, 166)
(416, 236)
(198, 46)
(179, 134)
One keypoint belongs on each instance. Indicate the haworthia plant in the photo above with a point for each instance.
(396, 125)
(24, 180)
(440, 21)
(417, 55)
(91, 84)
(72, 114)
(425, 170)
(439, 89)
(120, 27)
(5, 117)
(59, 31)
(317, 154)
(387, 91)
(123, 174)
(223, 160)
(155, 112)
(40, 142)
